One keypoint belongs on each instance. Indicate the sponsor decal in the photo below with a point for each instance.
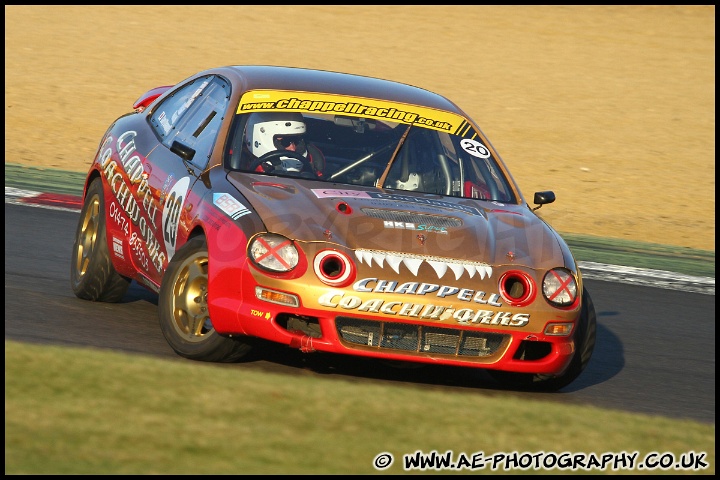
(463, 316)
(128, 183)
(171, 214)
(183, 108)
(334, 193)
(168, 124)
(168, 181)
(412, 226)
(118, 215)
(273, 101)
(136, 246)
(413, 263)
(376, 285)
(164, 123)
(216, 222)
(230, 205)
(118, 247)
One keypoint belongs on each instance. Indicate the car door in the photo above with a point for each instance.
(187, 122)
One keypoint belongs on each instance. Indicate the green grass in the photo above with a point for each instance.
(85, 411)
(685, 260)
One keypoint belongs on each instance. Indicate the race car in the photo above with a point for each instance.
(329, 212)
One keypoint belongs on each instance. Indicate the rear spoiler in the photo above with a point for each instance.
(148, 97)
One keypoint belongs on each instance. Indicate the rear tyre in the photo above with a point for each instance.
(183, 310)
(584, 346)
(92, 275)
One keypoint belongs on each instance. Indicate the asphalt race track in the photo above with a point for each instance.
(655, 350)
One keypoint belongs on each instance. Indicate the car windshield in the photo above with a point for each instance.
(370, 152)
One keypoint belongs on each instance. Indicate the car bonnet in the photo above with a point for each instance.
(379, 220)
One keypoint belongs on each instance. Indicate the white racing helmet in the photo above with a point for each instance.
(264, 128)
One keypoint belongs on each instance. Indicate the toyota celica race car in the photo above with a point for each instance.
(333, 213)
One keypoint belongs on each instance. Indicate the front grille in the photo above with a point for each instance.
(418, 338)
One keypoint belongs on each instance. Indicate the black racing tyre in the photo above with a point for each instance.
(584, 346)
(92, 275)
(182, 306)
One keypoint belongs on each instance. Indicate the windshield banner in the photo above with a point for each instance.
(304, 102)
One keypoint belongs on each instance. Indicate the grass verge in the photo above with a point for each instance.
(83, 411)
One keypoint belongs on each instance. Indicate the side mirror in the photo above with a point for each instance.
(185, 152)
(542, 198)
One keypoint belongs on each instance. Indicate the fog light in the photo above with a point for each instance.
(276, 297)
(559, 329)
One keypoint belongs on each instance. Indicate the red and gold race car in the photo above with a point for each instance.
(333, 213)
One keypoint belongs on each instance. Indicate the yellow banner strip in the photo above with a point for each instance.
(305, 102)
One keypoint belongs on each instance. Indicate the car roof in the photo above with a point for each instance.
(267, 77)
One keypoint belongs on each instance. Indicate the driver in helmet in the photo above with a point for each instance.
(268, 133)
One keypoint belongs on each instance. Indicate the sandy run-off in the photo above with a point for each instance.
(612, 107)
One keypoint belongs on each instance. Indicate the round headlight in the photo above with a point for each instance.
(273, 252)
(560, 288)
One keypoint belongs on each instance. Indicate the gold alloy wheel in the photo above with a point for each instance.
(88, 235)
(190, 313)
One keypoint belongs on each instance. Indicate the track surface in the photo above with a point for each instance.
(655, 350)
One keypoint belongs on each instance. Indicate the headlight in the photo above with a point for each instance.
(559, 288)
(273, 252)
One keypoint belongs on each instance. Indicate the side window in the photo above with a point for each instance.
(192, 116)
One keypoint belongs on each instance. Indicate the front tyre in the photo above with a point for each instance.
(92, 275)
(584, 346)
(183, 310)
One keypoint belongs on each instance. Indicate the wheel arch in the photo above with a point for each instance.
(91, 176)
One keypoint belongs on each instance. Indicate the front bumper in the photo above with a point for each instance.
(412, 341)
